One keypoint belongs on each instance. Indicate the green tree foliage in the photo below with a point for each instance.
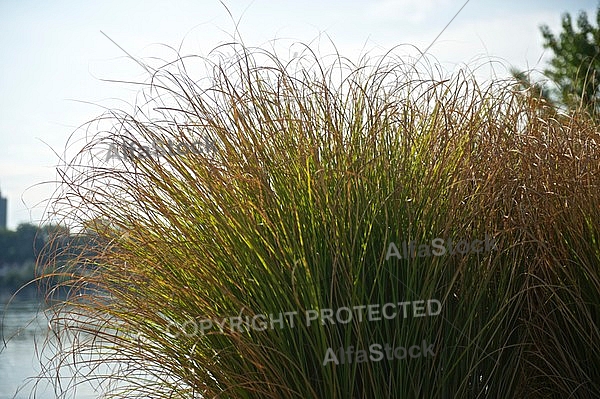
(538, 89)
(575, 65)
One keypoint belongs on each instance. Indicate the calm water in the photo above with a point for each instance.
(23, 329)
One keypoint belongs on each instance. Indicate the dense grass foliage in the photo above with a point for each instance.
(307, 171)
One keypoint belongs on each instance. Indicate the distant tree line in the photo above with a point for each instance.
(28, 245)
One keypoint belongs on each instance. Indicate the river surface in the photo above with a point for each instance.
(24, 328)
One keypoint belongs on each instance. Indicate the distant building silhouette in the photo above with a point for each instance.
(3, 203)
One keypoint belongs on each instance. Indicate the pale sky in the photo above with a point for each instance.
(54, 60)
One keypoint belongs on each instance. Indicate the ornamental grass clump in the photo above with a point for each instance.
(261, 263)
